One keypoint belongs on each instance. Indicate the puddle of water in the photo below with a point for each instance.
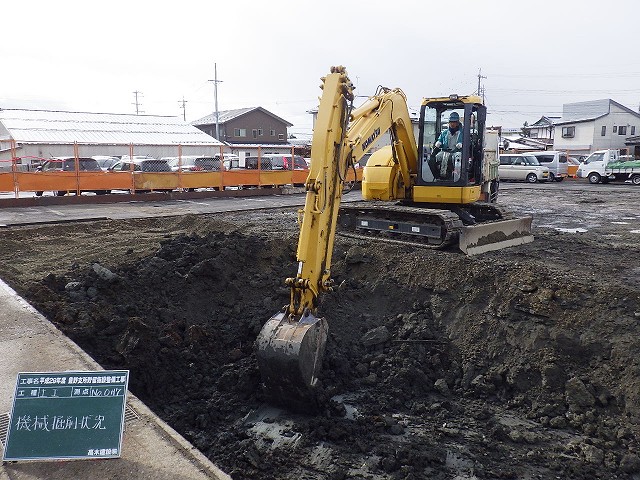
(270, 431)
(351, 411)
(462, 466)
(571, 230)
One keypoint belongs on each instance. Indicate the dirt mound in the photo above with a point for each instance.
(437, 365)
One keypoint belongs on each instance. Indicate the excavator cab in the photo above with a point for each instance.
(443, 164)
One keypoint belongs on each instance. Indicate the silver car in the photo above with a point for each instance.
(522, 167)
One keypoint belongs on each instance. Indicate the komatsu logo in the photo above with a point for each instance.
(369, 141)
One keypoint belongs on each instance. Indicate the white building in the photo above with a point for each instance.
(594, 125)
(46, 134)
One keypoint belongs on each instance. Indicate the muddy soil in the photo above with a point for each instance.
(517, 364)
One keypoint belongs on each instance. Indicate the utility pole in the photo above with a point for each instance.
(480, 89)
(183, 106)
(215, 96)
(137, 103)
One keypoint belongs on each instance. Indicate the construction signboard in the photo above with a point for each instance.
(66, 415)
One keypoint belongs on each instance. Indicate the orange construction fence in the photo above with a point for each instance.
(76, 180)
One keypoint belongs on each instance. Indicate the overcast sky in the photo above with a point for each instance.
(92, 56)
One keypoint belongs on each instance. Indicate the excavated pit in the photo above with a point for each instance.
(521, 363)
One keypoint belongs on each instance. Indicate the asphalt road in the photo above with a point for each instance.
(11, 216)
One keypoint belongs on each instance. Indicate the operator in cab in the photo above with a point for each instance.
(450, 141)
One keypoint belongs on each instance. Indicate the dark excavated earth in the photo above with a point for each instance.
(517, 364)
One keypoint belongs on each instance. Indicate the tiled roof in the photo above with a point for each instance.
(225, 115)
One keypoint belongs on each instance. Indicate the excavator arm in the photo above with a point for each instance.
(324, 185)
(291, 344)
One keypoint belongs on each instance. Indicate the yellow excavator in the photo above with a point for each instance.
(427, 193)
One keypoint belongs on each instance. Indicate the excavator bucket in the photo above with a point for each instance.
(289, 353)
(485, 237)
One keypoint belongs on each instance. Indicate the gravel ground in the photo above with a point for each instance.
(517, 364)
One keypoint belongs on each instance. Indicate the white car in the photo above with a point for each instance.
(523, 167)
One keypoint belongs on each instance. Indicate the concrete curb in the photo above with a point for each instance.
(151, 449)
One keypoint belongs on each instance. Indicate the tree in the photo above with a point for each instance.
(526, 131)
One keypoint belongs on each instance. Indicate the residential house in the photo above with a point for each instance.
(520, 144)
(248, 131)
(542, 129)
(595, 125)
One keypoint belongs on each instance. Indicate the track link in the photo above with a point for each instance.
(399, 224)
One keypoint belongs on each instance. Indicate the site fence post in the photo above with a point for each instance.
(14, 168)
(76, 162)
(259, 165)
(222, 168)
(133, 181)
(180, 167)
(293, 161)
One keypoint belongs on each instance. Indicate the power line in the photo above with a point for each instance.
(564, 92)
(568, 75)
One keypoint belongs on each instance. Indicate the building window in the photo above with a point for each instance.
(239, 132)
(569, 132)
(633, 130)
(273, 133)
(603, 131)
(622, 130)
(534, 134)
(281, 136)
(615, 128)
(259, 132)
(254, 132)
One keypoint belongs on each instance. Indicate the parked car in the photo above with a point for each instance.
(523, 167)
(136, 157)
(68, 164)
(145, 165)
(280, 161)
(230, 160)
(105, 161)
(141, 165)
(556, 162)
(194, 163)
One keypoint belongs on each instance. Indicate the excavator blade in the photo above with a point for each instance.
(485, 237)
(289, 353)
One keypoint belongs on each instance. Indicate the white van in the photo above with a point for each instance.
(522, 166)
(556, 162)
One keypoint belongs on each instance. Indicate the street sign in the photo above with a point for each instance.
(63, 415)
